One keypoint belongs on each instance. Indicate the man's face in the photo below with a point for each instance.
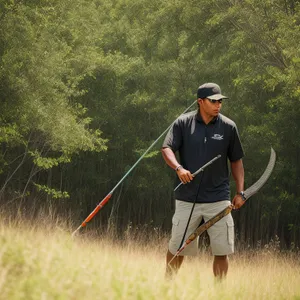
(210, 107)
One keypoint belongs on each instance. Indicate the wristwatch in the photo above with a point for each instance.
(243, 195)
(180, 166)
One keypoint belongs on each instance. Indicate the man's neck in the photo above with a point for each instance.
(205, 117)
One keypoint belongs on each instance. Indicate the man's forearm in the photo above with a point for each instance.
(237, 170)
(170, 158)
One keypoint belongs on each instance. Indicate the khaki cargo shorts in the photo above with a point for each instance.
(221, 234)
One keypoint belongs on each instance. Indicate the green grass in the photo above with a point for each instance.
(45, 263)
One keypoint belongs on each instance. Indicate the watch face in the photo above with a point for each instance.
(243, 195)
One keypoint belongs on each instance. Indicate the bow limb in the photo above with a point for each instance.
(203, 228)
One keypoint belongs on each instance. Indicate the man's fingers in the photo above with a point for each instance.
(184, 180)
(237, 203)
(187, 177)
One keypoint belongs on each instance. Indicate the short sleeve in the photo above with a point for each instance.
(173, 138)
(235, 151)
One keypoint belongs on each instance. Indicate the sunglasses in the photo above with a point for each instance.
(214, 101)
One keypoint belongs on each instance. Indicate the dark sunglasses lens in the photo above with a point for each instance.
(215, 101)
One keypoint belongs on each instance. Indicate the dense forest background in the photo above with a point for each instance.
(87, 85)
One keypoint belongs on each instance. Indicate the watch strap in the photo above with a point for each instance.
(242, 194)
(177, 168)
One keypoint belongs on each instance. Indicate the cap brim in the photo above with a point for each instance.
(217, 97)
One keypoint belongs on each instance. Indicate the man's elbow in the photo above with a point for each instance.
(165, 149)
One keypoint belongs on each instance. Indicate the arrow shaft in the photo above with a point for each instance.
(106, 199)
(200, 169)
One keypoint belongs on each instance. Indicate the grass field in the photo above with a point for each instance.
(45, 263)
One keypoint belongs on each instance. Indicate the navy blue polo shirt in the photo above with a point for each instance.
(197, 143)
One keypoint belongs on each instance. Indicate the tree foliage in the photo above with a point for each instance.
(87, 86)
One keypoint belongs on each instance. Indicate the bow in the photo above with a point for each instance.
(253, 189)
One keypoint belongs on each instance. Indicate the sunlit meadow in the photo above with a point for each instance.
(44, 262)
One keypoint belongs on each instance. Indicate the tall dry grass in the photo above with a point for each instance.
(40, 260)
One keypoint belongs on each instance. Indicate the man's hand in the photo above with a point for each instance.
(184, 175)
(238, 201)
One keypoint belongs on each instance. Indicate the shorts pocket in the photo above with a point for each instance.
(230, 232)
(175, 228)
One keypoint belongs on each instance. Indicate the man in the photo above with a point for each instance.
(198, 137)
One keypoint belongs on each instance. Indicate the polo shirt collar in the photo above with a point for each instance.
(199, 118)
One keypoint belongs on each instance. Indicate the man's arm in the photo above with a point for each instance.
(237, 170)
(170, 158)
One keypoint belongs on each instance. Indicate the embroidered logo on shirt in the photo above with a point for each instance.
(217, 136)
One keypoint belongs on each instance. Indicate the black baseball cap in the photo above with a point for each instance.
(211, 91)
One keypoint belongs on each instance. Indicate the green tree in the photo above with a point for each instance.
(44, 56)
